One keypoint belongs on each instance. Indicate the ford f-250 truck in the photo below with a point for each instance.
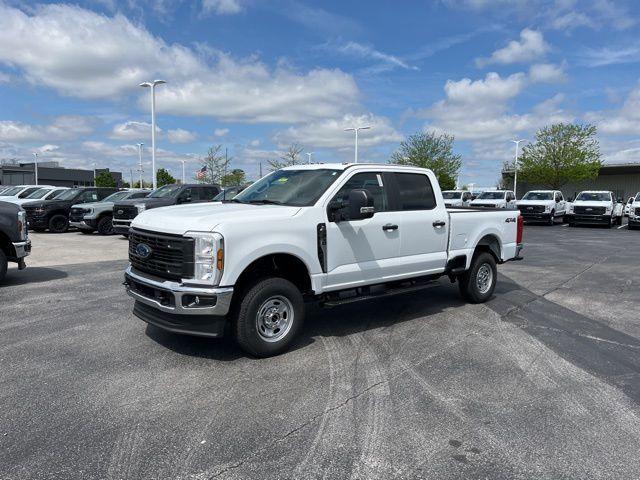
(331, 233)
(543, 205)
(14, 238)
(634, 213)
(595, 207)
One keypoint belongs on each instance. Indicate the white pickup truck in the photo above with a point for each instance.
(495, 199)
(328, 233)
(634, 213)
(543, 205)
(457, 198)
(595, 207)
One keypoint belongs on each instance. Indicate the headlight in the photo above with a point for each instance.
(141, 207)
(608, 210)
(208, 261)
(88, 210)
(547, 208)
(22, 225)
(570, 210)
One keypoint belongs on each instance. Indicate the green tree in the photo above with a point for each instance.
(163, 177)
(561, 153)
(216, 162)
(105, 179)
(235, 177)
(433, 151)
(291, 156)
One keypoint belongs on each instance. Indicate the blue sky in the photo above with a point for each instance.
(257, 75)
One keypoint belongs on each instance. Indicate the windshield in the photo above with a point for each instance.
(167, 191)
(117, 196)
(594, 197)
(637, 198)
(68, 194)
(56, 193)
(41, 192)
(451, 195)
(491, 196)
(227, 194)
(12, 191)
(299, 188)
(538, 196)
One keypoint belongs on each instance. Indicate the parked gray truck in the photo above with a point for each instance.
(14, 238)
(98, 216)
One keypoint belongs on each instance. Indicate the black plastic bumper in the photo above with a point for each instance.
(589, 219)
(535, 217)
(197, 325)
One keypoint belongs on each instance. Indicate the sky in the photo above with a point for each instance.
(257, 75)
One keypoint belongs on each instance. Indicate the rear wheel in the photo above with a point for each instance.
(58, 224)
(3, 265)
(105, 225)
(477, 283)
(268, 317)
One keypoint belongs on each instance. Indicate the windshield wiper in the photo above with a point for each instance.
(265, 202)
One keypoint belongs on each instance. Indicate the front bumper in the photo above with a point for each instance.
(181, 302)
(22, 249)
(535, 216)
(635, 221)
(589, 219)
(81, 225)
(37, 220)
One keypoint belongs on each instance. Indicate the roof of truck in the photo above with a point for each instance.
(344, 166)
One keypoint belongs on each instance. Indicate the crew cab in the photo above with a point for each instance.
(634, 213)
(19, 191)
(124, 211)
(14, 238)
(98, 216)
(495, 199)
(543, 205)
(595, 207)
(53, 214)
(456, 198)
(327, 233)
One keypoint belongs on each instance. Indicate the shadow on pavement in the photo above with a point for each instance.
(32, 275)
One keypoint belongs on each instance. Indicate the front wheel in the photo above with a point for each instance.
(58, 224)
(268, 317)
(477, 284)
(552, 218)
(3, 265)
(105, 226)
(619, 221)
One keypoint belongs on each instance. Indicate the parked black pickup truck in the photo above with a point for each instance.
(126, 210)
(14, 239)
(54, 214)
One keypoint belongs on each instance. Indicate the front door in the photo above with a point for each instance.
(362, 251)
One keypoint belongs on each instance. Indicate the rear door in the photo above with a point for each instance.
(423, 225)
(362, 251)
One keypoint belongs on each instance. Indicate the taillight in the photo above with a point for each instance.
(520, 229)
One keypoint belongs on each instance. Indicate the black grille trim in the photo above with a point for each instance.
(171, 255)
(532, 209)
(129, 212)
(579, 210)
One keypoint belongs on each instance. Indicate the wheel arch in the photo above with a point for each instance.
(278, 264)
(489, 243)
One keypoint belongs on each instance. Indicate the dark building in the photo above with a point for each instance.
(50, 173)
(621, 179)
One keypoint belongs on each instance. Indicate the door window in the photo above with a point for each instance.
(369, 181)
(88, 196)
(415, 191)
(208, 193)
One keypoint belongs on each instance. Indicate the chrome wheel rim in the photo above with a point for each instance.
(274, 318)
(484, 278)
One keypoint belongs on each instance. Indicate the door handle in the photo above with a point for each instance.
(389, 227)
(439, 223)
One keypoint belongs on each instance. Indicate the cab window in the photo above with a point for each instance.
(370, 181)
(415, 191)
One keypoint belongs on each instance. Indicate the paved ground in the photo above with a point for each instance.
(541, 382)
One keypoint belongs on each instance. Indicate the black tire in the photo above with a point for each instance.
(249, 327)
(105, 225)
(619, 221)
(3, 265)
(469, 284)
(58, 224)
(552, 218)
(631, 227)
(86, 232)
(38, 229)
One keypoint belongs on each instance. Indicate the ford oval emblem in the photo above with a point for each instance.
(120, 212)
(143, 250)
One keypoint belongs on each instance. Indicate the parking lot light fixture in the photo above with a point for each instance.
(309, 154)
(515, 168)
(153, 85)
(356, 130)
(140, 170)
(35, 157)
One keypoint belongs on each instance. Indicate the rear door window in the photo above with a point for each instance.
(415, 191)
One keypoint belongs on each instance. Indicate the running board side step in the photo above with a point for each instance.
(384, 292)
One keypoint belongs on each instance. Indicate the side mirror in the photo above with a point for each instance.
(360, 204)
(184, 199)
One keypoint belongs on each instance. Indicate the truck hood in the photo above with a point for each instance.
(93, 205)
(522, 203)
(580, 203)
(204, 217)
(149, 202)
(485, 202)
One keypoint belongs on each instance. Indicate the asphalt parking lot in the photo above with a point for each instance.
(541, 382)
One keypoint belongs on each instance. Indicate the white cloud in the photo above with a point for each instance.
(386, 61)
(220, 132)
(84, 54)
(62, 128)
(602, 57)
(221, 7)
(132, 130)
(624, 121)
(4, 77)
(547, 73)
(254, 143)
(329, 133)
(180, 135)
(530, 47)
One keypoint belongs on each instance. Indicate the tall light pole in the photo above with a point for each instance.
(356, 130)
(309, 154)
(35, 156)
(183, 171)
(153, 85)
(140, 145)
(515, 168)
